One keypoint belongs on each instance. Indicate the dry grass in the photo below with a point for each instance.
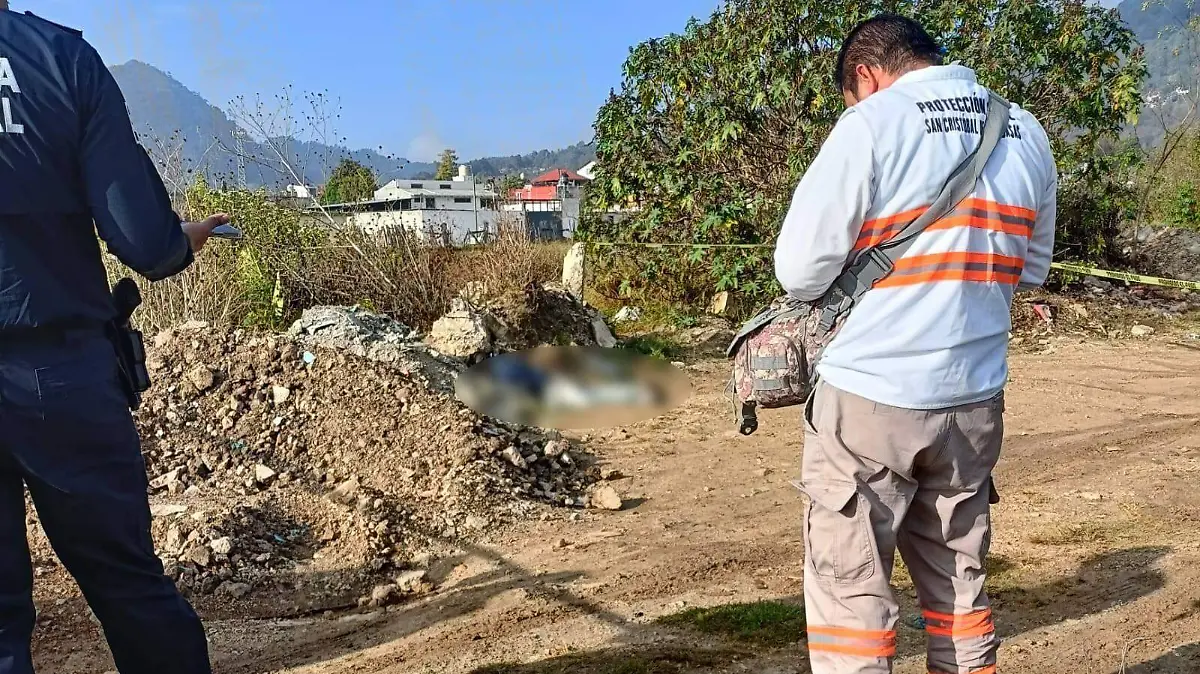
(1082, 533)
(263, 282)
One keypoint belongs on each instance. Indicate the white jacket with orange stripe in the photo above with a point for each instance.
(934, 333)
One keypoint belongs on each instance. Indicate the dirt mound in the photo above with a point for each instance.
(319, 475)
(1164, 251)
(479, 325)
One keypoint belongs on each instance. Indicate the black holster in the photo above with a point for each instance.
(128, 342)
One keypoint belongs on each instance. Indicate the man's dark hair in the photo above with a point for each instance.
(888, 41)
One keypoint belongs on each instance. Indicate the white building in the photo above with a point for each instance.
(298, 192)
(450, 212)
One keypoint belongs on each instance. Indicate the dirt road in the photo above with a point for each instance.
(1096, 556)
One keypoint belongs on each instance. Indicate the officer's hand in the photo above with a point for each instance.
(198, 232)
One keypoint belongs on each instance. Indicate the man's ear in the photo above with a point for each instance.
(868, 83)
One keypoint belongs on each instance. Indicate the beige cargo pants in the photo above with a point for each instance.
(879, 479)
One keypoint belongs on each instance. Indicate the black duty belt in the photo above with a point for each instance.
(57, 333)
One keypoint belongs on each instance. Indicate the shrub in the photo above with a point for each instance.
(1185, 207)
(712, 128)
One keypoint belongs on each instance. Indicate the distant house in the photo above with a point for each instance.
(550, 203)
(589, 171)
(550, 185)
(450, 212)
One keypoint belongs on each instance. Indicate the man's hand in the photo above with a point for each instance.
(198, 232)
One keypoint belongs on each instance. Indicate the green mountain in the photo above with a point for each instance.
(166, 112)
(1170, 32)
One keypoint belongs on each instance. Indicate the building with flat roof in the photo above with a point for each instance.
(451, 212)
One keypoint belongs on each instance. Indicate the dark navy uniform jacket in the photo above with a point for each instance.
(69, 158)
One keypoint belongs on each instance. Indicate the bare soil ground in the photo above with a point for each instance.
(1096, 558)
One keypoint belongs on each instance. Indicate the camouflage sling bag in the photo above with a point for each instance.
(775, 353)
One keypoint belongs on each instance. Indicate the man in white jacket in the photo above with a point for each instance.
(905, 425)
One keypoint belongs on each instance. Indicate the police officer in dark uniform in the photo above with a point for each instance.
(70, 167)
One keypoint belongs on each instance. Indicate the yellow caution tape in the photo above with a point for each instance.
(641, 244)
(1061, 266)
(1123, 276)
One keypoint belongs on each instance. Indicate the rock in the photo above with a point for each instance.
(628, 315)
(573, 270)
(413, 582)
(175, 538)
(234, 590)
(600, 332)
(198, 555)
(167, 510)
(202, 378)
(1141, 331)
(477, 523)
(346, 493)
(263, 474)
(1091, 496)
(611, 474)
(561, 544)
(556, 448)
(222, 546)
(280, 394)
(719, 304)
(607, 498)
(762, 472)
(166, 479)
(462, 333)
(383, 595)
(513, 455)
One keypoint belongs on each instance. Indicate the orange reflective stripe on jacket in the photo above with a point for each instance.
(975, 624)
(979, 267)
(975, 213)
(881, 229)
(846, 641)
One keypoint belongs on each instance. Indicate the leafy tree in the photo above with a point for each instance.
(712, 128)
(511, 182)
(447, 165)
(351, 181)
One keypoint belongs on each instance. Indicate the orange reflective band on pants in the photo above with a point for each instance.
(975, 624)
(845, 641)
(986, 670)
